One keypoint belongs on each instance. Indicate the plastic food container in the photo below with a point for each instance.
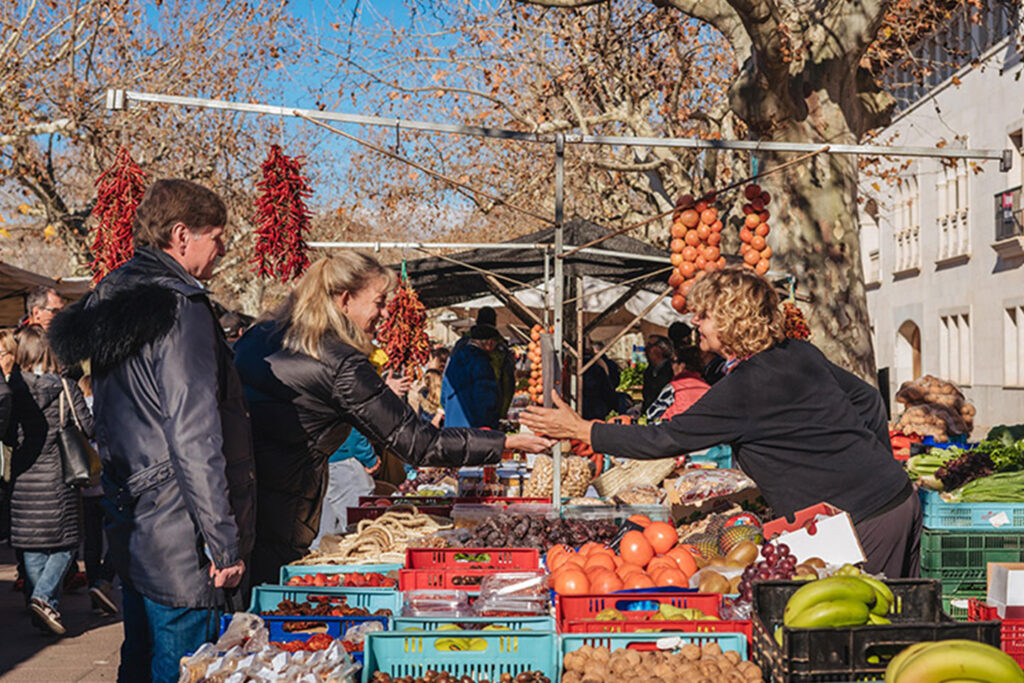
(533, 584)
(435, 603)
(512, 606)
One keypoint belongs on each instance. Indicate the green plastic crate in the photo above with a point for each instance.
(411, 654)
(964, 555)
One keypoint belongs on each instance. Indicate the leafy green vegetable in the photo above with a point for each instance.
(1007, 487)
(632, 376)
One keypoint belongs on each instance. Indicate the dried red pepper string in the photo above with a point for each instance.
(796, 324)
(119, 190)
(282, 219)
(403, 333)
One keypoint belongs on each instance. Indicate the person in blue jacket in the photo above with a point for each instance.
(349, 469)
(470, 394)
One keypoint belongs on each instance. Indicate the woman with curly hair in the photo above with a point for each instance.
(802, 428)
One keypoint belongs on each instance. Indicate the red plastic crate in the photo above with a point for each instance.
(505, 559)
(1011, 630)
(453, 579)
(358, 514)
(409, 500)
(575, 613)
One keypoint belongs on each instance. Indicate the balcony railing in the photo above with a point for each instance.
(1009, 214)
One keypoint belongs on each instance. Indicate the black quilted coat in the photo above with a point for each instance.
(171, 426)
(45, 512)
(302, 410)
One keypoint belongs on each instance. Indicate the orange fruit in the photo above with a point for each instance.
(635, 549)
(690, 218)
(677, 245)
(679, 303)
(678, 229)
(762, 229)
(671, 577)
(626, 569)
(757, 242)
(687, 269)
(641, 520)
(751, 220)
(701, 206)
(637, 580)
(689, 253)
(661, 535)
(762, 266)
(599, 560)
(684, 559)
(708, 216)
(571, 582)
(751, 257)
(691, 238)
(660, 562)
(703, 231)
(752, 190)
(605, 582)
(591, 546)
(675, 279)
(766, 253)
(712, 253)
(714, 239)
(746, 235)
(700, 262)
(676, 258)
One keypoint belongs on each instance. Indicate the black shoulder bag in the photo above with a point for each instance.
(80, 460)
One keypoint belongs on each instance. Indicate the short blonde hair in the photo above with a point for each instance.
(744, 306)
(309, 313)
(8, 341)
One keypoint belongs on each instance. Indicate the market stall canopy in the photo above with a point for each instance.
(16, 283)
(598, 295)
(441, 282)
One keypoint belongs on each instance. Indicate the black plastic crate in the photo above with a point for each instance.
(853, 653)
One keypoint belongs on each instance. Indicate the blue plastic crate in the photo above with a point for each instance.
(335, 627)
(290, 570)
(720, 456)
(735, 642)
(938, 514)
(266, 598)
(411, 654)
(539, 623)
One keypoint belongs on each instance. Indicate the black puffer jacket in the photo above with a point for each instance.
(171, 426)
(302, 410)
(44, 510)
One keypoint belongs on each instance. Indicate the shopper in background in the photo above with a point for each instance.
(598, 396)
(172, 430)
(8, 349)
(309, 382)
(41, 305)
(686, 387)
(427, 400)
(99, 565)
(805, 430)
(45, 520)
(470, 393)
(659, 368)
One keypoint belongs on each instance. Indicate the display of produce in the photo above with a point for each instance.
(778, 563)
(934, 408)
(402, 333)
(530, 531)
(384, 539)
(350, 580)
(754, 234)
(952, 660)
(431, 481)
(696, 485)
(847, 598)
(576, 477)
(320, 606)
(691, 663)
(533, 354)
(1007, 487)
(695, 246)
(431, 676)
(796, 323)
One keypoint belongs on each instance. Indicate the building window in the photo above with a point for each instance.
(951, 221)
(1013, 346)
(955, 348)
(907, 226)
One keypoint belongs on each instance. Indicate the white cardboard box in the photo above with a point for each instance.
(833, 539)
(1006, 589)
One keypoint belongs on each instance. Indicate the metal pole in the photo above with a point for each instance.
(556, 494)
(121, 99)
(514, 246)
(580, 303)
(547, 292)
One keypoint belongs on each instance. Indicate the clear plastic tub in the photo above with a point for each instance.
(435, 603)
(532, 584)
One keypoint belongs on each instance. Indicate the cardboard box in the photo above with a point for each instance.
(1006, 589)
(822, 531)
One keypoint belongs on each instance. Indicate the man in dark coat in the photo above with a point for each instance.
(659, 368)
(172, 429)
(470, 394)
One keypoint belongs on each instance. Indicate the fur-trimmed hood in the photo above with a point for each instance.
(135, 305)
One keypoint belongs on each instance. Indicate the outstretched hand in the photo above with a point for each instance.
(559, 422)
(528, 443)
(399, 385)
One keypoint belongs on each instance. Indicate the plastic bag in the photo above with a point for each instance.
(694, 486)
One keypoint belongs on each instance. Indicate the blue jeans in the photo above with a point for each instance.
(44, 573)
(156, 637)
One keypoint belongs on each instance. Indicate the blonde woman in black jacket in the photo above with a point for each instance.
(308, 381)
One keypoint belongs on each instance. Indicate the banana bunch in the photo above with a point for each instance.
(847, 598)
(959, 661)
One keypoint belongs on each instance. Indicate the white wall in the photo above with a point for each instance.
(975, 288)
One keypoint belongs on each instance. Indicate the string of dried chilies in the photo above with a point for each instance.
(119, 190)
(282, 218)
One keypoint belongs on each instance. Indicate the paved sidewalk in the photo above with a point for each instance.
(89, 651)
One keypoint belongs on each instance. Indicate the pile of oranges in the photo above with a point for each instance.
(696, 240)
(646, 559)
(755, 250)
(536, 386)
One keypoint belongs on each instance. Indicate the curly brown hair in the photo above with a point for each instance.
(744, 306)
